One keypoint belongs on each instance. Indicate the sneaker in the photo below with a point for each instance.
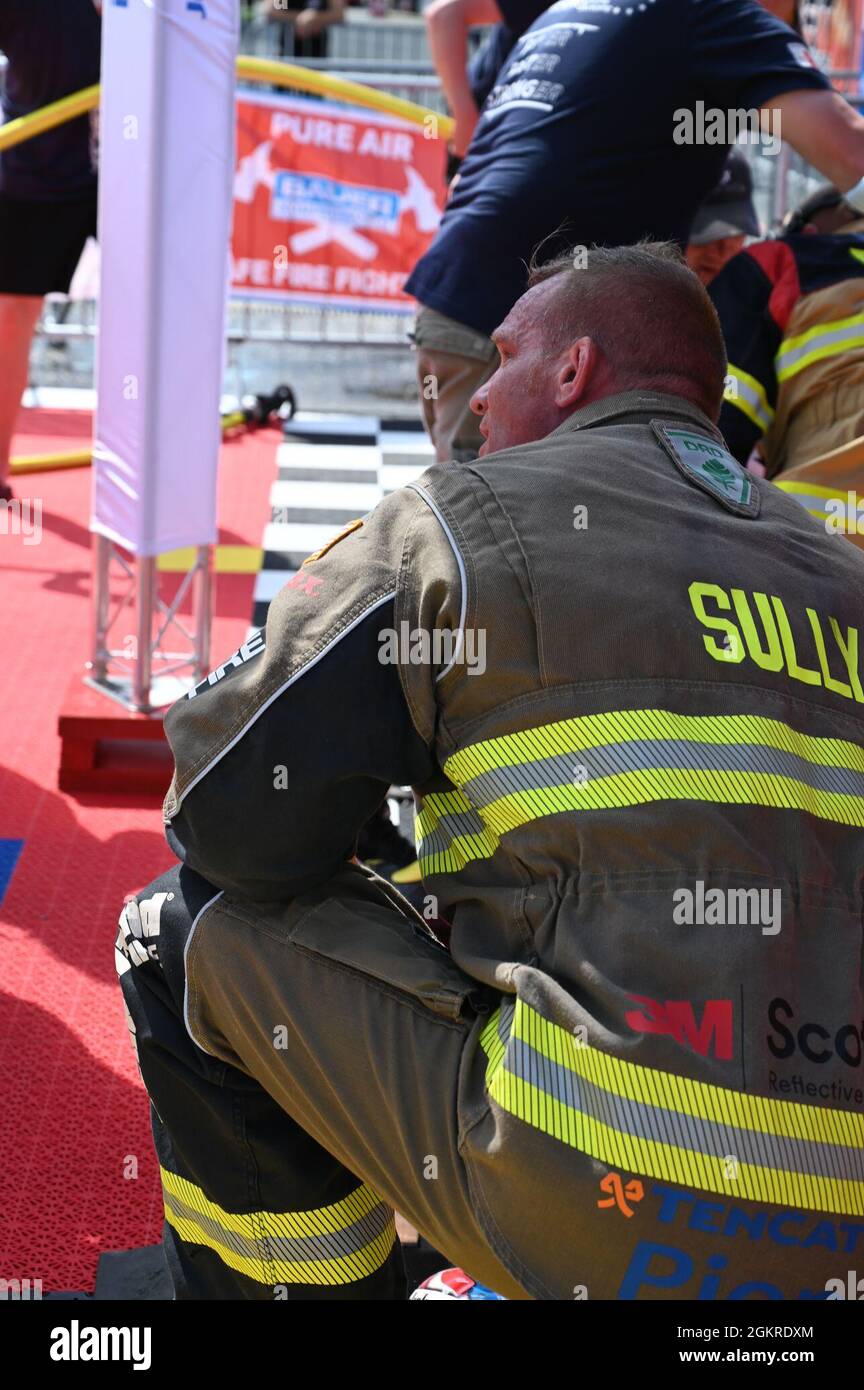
(454, 1283)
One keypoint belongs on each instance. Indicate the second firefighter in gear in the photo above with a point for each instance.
(792, 312)
(638, 1072)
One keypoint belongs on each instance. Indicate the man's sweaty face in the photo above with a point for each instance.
(516, 404)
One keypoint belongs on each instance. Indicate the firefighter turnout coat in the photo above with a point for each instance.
(626, 680)
(792, 312)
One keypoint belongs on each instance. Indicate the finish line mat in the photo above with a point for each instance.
(329, 470)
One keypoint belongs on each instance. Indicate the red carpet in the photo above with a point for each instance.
(77, 1175)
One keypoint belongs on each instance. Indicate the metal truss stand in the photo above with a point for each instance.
(141, 673)
(145, 655)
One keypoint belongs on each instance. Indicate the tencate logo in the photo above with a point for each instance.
(676, 1018)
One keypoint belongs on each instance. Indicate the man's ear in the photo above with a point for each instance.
(577, 370)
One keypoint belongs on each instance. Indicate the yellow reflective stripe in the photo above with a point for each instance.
(327, 1273)
(438, 804)
(650, 758)
(824, 340)
(447, 850)
(665, 1093)
(810, 499)
(597, 730)
(346, 1269)
(459, 852)
(493, 1045)
(318, 1221)
(749, 396)
(674, 784)
(650, 1158)
(814, 498)
(354, 1235)
(810, 489)
(668, 1091)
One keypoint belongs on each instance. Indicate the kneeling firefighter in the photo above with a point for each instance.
(624, 678)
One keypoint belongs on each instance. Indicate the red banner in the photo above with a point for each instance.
(332, 205)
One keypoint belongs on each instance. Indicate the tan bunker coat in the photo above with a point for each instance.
(626, 680)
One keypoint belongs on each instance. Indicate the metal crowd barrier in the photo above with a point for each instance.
(391, 55)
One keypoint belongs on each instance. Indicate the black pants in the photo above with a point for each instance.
(41, 243)
(254, 1207)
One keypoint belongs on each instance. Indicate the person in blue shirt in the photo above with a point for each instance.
(466, 89)
(580, 142)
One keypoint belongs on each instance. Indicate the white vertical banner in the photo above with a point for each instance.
(166, 167)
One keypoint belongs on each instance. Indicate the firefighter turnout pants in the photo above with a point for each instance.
(304, 1064)
(314, 1066)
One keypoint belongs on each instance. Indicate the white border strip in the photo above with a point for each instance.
(198, 917)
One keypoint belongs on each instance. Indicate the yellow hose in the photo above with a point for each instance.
(325, 84)
(46, 463)
(66, 109)
(253, 70)
(82, 458)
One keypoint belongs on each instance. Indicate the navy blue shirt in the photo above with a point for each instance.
(496, 47)
(487, 62)
(53, 49)
(575, 142)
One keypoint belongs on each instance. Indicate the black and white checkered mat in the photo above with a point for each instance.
(331, 469)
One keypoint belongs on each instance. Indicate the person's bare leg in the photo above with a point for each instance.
(19, 314)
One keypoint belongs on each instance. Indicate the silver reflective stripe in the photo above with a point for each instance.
(336, 1244)
(749, 397)
(629, 758)
(672, 1126)
(692, 1132)
(285, 1248)
(796, 353)
(646, 754)
(809, 501)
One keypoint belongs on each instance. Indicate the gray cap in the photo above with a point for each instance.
(728, 210)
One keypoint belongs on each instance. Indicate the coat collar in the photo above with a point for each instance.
(636, 403)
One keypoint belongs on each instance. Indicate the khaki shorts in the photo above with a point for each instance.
(452, 361)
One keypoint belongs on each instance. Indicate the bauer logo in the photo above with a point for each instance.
(313, 198)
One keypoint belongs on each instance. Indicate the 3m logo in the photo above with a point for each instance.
(676, 1018)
